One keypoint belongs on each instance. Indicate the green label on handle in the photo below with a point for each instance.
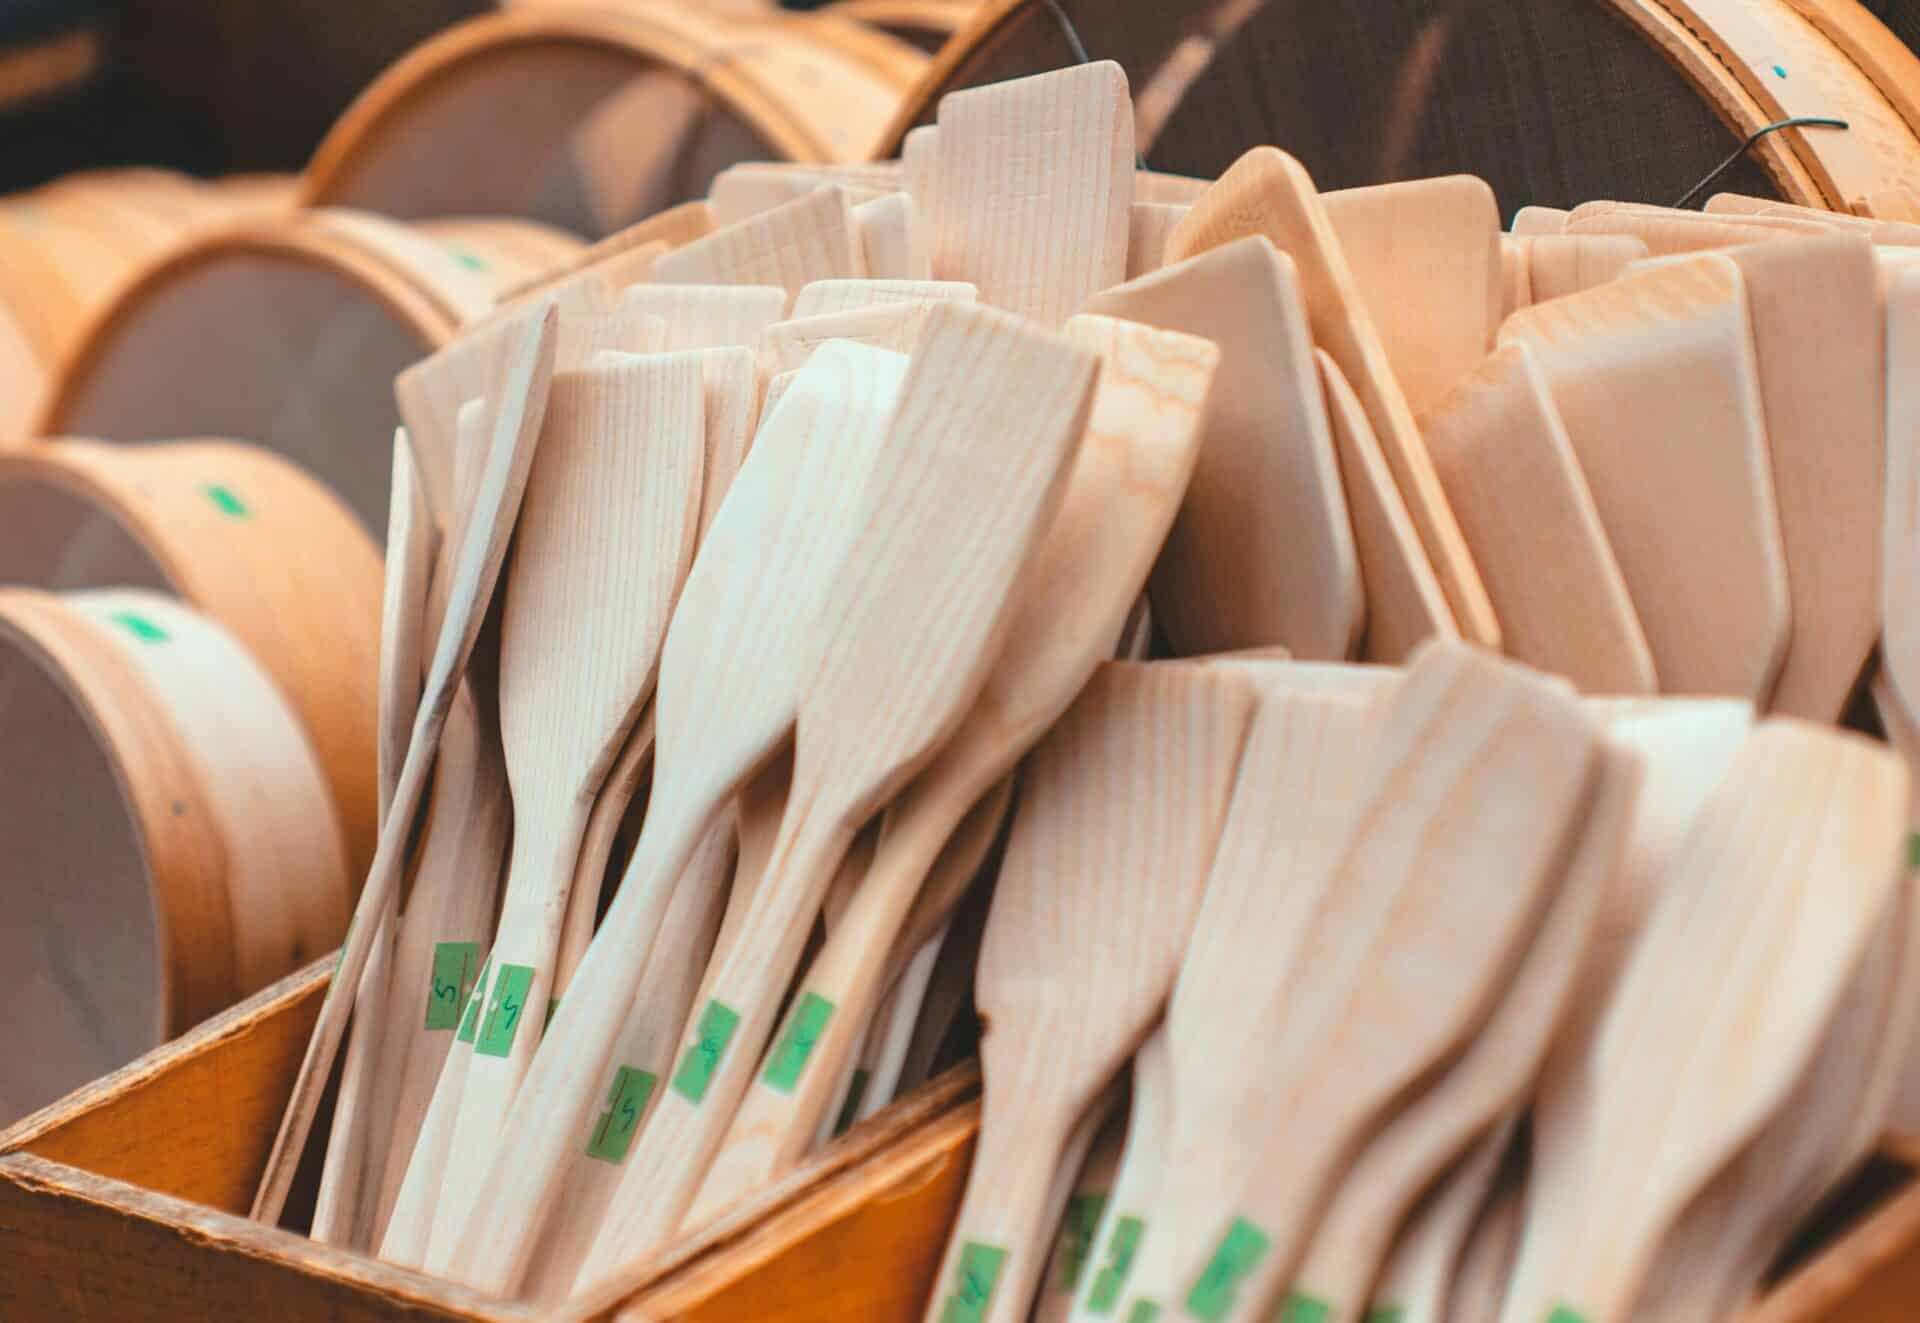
(626, 1103)
(702, 1056)
(1076, 1236)
(1387, 1314)
(225, 501)
(1913, 852)
(804, 1027)
(973, 1282)
(1566, 1314)
(1302, 1308)
(1238, 1254)
(850, 1109)
(454, 965)
(505, 1012)
(470, 1022)
(1144, 1311)
(140, 627)
(1121, 1249)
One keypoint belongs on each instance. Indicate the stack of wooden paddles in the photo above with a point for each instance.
(833, 498)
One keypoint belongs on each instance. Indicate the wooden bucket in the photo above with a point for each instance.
(285, 331)
(1630, 99)
(171, 844)
(243, 536)
(593, 118)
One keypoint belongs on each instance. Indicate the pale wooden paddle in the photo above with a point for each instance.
(430, 395)
(1895, 233)
(1120, 809)
(521, 404)
(1038, 221)
(1528, 516)
(891, 245)
(906, 639)
(1531, 221)
(1262, 552)
(788, 344)
(708, 316)
(1900, 532)
(1563, 264)
(1486, 1263)
(733, 651)
(1405, 604)
(605, 538)
(1127, 482)
(1425, 258)
(623, 782)
(1266, 192)
(1488, 1080)
(1148, 225)
(1085, 1204)
(1430, 1249)
(1480, 776)
(1772, 900)
(919, 176)
(1516, 275)
(828, 296)
(811, 238)
(412, 544)
(1700, 548)
(1136, 1181)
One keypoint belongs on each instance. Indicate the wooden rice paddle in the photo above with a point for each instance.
(1772, 901)
(1474, 787)
(1267, 192)
(1072, 601)
(521, 408)
(1120, 810)
(906, 639)
(731, 676)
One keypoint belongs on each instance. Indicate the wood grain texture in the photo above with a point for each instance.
(1037, 220)
(1700, 550)
(1559, 265)
(1894, 233)
(1529, 517)
(1516, 275)
(831, 296)
(891, 244)
(1262, 552)
(1430, 1248)
(791, 246)
(1900, 529)
(1135, 1181)
(1267, 192)
(1675, 233)
(411, 546)
(1148, 225)
(788, 345)
(708, 316)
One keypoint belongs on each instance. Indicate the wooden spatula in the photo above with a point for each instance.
(1072, 1256)
(1510, 474)
(1267, 192)
(1037, 220)
(1136, 1180)
(1700, 548)
(1531, 221)
(623, 782)
(1262, 552)
(708, 316)
(1119, 813)
(1895, 233)
(1516, 275)
(788, 344)
(905, 640)
(828, 296)
(1148, 225)
(1671, 233)
(1416, 1284)
(733, 648)
(1900, 532)
(812, 238)
(1559, 265)
(1127, 482)
(1417, 1144)
(1432, 876)
(521, 407)
(412, 543)
(892, 246)
(1772, 901)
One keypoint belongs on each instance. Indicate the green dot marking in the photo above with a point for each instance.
(850, 1109)
(140, 627)
(626, 1104)
(703, 1055)
(504, 1014)
(1144, 1311)
(1779, 71)
(225, 501)
(470, 1022)
(469, 260)
(1302, 1308)
(977, 1273)
(1238, 1254)
(1122, 1247)
(804, 1027)
(1076, 1237)
(454, 967)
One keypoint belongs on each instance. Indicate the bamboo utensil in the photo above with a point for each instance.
(1127, 481)
(708, 316)
(1120, 811)
(412, 543)
(1266, 192)
(812, 238)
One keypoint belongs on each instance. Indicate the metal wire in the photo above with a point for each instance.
(1802, 122)
(1078, 49)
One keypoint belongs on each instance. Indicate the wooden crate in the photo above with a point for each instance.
(126, 1202)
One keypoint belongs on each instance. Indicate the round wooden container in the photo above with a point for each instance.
(171, 845)
(593, 118)
(924, 24)
(286, 331)
(1552, 101)
(245, 537)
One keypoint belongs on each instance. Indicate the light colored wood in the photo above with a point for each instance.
(430, 394)
(605, 538)
(791, 246)
(1266, 192)
(894, 326)
(1529, 222)
(1516, 275)
(708, 316)
(1480, 1282)
(1529, 518)
(1148, 225)
(1325, 1045)
(623, 782)
(1790, 865)
(1675, 233)
(1262, 552)
(919, 177)
(670, 229)
(1425, 257)
(1700, 549)
(1429, 1250)
(1129, 1205)
(1037, 220)
(1122, 805)
(1897, 233)
(891, 244)
(833, 296)
(1559, 265)
(900, 655)
(1900, 533)
(752, 188)
(1133, 465)
(734, 649)
(1072, 1255)
(521, 408)
(1404, 601)
(412, 544)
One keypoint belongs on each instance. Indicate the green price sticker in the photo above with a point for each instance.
(1144, 1311)
(504, 1014)
(804, 1027)
(140, 627)
(1566, 1314)
(454, 967)
(1387, 1314)
(1302, 1308)
(702, 1056)
(1913, 852)
(1122, 1247)
(626, 1104)
(1076, 1237)
(973, 1282)
(850, 1109)
(1238, 1254)
(225, 501)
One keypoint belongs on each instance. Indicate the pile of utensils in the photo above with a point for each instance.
(1333, 962)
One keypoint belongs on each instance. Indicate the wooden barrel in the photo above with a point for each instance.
(592, 118)
(245, 537)
(288, 332)
(1552, 101)
(171, 844)
(924, 24)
